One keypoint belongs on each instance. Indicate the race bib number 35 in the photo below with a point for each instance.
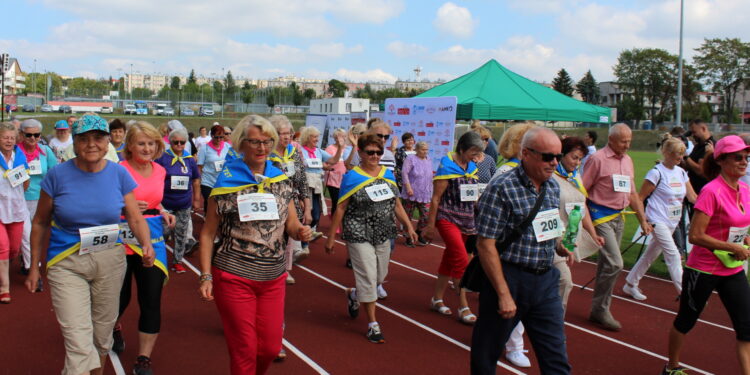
(257, 206)
(547, 225)
(98, 238)
(379, 192)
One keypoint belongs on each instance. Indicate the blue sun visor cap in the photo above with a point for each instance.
(89, 123)
(61, 124)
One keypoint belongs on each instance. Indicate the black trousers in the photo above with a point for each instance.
(148, 282)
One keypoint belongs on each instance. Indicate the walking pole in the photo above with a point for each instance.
(622, 253)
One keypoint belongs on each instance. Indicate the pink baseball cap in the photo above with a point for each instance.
(728, 145)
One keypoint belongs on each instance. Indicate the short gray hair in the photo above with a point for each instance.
(468, 141)
(618, 129)
(745, 138)
(307, 132)
(339, 131)
(422, 144)
(31, 123)
(280, 122)
(8, 127)
(181, 132)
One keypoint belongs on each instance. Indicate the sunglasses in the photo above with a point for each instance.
(179, 143)
(384, 136)
(373, 152)
(35, 135)
(218, 137)
(546, 156)
(738, 157)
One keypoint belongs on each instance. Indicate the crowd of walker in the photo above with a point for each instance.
(262, 186)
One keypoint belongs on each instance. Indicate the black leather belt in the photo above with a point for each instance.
(531, 270)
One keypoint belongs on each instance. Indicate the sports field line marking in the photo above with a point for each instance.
(410, 320)
(304, 357)
(119, 370)
(284, 341)
(636, 348)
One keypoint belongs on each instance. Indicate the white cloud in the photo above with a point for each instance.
(455, 20)
(405, 50)
(369, 11)
(375, 75)
(542, 6)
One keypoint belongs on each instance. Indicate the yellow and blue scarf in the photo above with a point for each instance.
(287, 157)
(156, 228)
(18, 159)
(62, 244)
(237, 176)
(449, 169)
(572, 177)
(356, 179)
(602, 214)
(180, 159)
(513, 162)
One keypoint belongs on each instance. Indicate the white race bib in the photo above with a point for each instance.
(737, 235)
(180, 182)
(35, 167)
(469, 192)
(379, 192)
(17, 175)
(547, 225)
(314, 163)
(219, 165)
(674, 212)
(257, 206)
(621, 183)
(98, 238)
(481, 188)
(126, 235)
(289, 168)
(411, 153)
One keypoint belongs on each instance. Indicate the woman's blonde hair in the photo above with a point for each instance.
(421, 144)
(378, 123)
(240, 131)
(164, 129)
(8, 127)
(149, 131)
(482, 131)
(307, 132)
(510, 143)
(673, 146)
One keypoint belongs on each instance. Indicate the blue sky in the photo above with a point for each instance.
(357, 40)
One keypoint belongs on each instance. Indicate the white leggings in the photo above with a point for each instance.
(661, 241)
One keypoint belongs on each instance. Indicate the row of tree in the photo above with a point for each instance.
(649, 77)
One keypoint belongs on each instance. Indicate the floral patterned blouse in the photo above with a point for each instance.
(369, 221)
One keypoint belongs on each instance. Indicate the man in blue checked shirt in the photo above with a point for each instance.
(523, 282)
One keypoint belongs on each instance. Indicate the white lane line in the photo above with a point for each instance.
(628, 271)
(644, 351)
(410, 320)
(285, 342)
(717, 325)
(304, 357)
(119, 370)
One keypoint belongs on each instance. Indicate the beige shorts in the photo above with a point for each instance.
(85, 293)
(370, 265)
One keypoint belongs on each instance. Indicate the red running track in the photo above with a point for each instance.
(417, 339)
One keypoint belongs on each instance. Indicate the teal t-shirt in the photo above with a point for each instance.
(47, 160)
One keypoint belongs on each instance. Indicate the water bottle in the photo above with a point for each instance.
(569, 241)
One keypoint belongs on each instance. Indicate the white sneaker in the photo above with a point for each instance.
(518, 358)
(382, 294)
(634, 292)
(300, 255)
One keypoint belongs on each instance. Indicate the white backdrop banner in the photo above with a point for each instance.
(326, 125)
(432, 120)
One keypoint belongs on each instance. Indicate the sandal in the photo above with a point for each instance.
(435, 306)
(468, 319)
(5, 298)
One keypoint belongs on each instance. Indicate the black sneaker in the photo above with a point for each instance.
(24, 271)
(421, 241)
(348, 263)
(39, 285)
(675, 371)
(352, 304)
(374, 335)
(409, 242)
(142, 366)
(119, 344)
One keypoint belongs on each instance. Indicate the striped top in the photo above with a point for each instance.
(452, 209)
(255, 250)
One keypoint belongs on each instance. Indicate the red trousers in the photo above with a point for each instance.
(252, 313)
(10, 239)
(455, 259)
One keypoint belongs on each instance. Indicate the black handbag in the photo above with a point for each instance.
(474, 278)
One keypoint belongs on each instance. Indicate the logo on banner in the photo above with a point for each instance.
(403, 111)
(396, 123)
(430, 125)
(430, 110)
(391, 109)
(446, 109)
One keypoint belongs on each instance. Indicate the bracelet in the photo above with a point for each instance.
(206, 277)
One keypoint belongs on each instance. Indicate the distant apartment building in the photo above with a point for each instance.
(338, 106)
(417, 85)
(742, 103)
(14, 79)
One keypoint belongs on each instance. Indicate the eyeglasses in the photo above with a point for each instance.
(485, 139)
(257, 142)
(373, 152)
(384, 136)
(738, 157)
(217, 136)
(35, 135)
(546, 156)
(178, 143)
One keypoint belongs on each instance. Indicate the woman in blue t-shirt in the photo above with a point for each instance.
(211, 159)
(85, 262)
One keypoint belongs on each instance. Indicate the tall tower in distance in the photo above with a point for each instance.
(417, 72)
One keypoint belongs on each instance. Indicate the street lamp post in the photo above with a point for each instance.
(222, 92)
(33, 79)
(679, 70)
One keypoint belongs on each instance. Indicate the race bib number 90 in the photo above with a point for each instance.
(257, 206)
(469, 192)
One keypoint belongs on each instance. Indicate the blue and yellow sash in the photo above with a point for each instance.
(449, 169)
(288, 155)
(19, 158)
(176, 158)
(573, 178)
(120, 153)
(156, 228)
(356, 179)
(602, 214)
(513, 162)
(232, 154)
(237, 176)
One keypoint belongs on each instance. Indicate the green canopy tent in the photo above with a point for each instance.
(492, 92)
